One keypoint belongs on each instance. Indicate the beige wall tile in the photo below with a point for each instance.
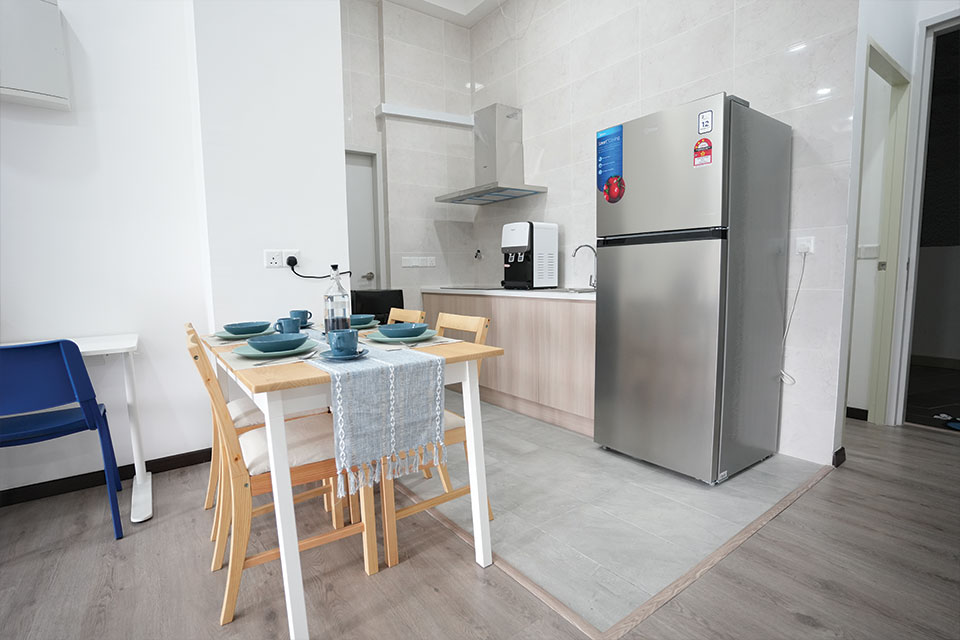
(790, 79)
(611, 42)
(547, 112)
(407, 92)
(545, 34)
(456, 41)
(821, 131)
(495, 63)
(763, 28)
(698, 53)
(412, 62)
(545, 74)
(412, 27)
(818, 195)
(363, 18)
(364, 55)
(603, 90)
(664, 19)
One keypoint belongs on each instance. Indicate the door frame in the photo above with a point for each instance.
(891, 217)
(912, 207)
(894, 162)
(383, 240)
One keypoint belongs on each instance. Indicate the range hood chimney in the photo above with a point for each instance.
(498, 159)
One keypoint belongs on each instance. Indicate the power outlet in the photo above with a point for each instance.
(805, 244)
(291, 252)
(272, 259)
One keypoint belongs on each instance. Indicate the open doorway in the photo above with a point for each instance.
(878, 235)
(933, 387)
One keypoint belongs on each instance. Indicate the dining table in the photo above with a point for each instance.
(294, 385)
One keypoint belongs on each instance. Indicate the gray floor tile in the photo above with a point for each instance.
(596, 593)
(597, 529)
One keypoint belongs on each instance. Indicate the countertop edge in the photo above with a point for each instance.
(548, 294)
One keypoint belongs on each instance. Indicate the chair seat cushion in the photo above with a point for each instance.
(452, 420)
(246, 414)
(309, 439)
(43, 425)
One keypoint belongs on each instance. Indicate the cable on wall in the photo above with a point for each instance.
(785, 377)
(292, 263)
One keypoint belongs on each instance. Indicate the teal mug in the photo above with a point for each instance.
(288, 325)
(343, 342)
(302, 315)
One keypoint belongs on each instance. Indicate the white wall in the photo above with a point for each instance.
(100, 228)
(113, 195)
(871, 200)
(271, 109)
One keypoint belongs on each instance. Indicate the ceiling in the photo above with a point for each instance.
(465, 13)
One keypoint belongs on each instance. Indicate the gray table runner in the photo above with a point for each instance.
(385, 404)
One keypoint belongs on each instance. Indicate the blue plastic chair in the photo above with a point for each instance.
(43, 375)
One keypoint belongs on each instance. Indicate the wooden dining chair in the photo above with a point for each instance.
(246, 416)
(246, 466)
(405, 315)
(455, 432)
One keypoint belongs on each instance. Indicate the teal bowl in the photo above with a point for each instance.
(360, 319)
(245, 328)
(402, 329)
(277, 342)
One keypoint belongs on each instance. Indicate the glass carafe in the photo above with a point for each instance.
(336, 303)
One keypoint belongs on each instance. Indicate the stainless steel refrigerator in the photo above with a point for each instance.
(692, 214)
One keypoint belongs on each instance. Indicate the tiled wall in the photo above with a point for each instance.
(577, 66)
(397, 55)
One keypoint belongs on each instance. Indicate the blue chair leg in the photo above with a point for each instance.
(111, 473)
(115, 467)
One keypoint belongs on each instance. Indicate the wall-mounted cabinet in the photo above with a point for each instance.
(33, 57)
(547, 370)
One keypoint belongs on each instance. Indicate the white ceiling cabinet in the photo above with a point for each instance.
(33, 57)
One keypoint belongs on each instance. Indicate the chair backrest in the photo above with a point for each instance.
(42, 375)
(476, 325)
(406, 315)
(227, 432)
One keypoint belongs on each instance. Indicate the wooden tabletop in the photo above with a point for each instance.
(302, 374)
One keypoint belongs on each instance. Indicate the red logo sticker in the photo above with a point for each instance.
(613, 189)
(702, 152)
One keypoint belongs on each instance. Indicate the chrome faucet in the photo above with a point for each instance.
(593, 276)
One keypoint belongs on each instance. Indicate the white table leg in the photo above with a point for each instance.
(141, 503)
(272, 406)
(476, 466)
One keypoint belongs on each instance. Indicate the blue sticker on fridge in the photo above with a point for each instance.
(610, 163)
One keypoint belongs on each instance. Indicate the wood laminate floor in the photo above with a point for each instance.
(872, 552)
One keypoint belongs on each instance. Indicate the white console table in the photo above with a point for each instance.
(141, 505)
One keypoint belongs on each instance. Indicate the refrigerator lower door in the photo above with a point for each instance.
(658, 353)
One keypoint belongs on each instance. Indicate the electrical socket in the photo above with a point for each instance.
(272, 259)
(291, 252)
(805, 244)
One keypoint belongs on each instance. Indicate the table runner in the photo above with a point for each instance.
(385, 404)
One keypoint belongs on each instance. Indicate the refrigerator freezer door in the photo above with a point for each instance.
(658, 353)
(672, 166)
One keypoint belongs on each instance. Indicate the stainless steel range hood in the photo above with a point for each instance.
(498, 159)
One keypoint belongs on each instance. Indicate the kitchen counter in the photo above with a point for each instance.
(543, 294)
(547, 369)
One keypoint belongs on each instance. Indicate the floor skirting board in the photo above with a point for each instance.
(96, 478)
(648, 608)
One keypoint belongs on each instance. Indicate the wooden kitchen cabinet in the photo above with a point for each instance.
(547, 370)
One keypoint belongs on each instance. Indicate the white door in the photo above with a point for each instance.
(362, 221)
